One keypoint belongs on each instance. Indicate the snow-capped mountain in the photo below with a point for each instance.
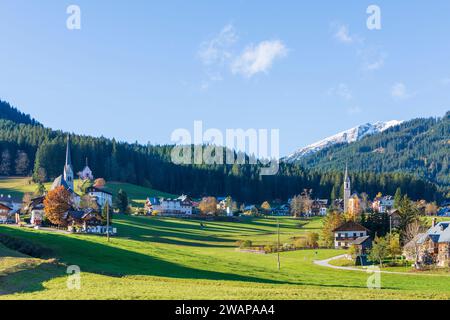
(348, 136)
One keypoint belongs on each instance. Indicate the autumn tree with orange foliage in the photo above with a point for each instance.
(208, 205)
(56, 203)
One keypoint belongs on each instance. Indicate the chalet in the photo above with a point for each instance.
(100, 195)
(36, 208)
(5, 213)
(383, 204)
(319, 207)
(11, 202)
(348, 233)
(435, 245)
(83, 219)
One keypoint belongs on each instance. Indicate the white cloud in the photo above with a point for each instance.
(399, 91)
(343, 35)
(218, 49)
(342, 90)
(259, 58)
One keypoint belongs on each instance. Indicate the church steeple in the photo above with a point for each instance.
(347, 189)
(68, 170)
(68, 156)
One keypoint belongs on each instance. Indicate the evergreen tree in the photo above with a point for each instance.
(121, 201)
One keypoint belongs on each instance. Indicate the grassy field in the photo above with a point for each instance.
(17, 187)
(156, 258)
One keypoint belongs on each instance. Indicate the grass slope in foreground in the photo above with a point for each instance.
(156, 258)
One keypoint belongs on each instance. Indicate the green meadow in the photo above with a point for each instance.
(157, 258)
(17, 187)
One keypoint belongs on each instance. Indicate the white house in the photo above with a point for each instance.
(172, 206)
(102, 196)
(347, 233)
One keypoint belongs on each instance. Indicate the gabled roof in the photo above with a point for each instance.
(350, 226)
(360, 240)
(59, 182)
(440, 233)
(5, 207)
(95, 189)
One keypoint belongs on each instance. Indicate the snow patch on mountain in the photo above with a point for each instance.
(348, 136)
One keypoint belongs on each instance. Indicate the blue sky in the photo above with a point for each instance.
(139, 70)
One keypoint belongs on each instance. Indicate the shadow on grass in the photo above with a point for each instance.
(28, 278)
(93, 256)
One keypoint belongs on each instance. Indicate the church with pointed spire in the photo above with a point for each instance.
(67, 178)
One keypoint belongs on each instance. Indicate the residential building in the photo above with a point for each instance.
(383, 204)
(5, 213)
(171, 206)
(434, 246)
(319, 207)
(100, 195)
(348, 232)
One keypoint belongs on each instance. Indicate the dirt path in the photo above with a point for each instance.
(326, 263)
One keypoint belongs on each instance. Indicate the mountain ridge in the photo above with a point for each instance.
(348, 136)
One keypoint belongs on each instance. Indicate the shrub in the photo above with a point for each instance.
(24, 246)
(244, 243)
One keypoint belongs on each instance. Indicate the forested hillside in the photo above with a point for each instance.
(10, 113)
(420, 147)
(28, 148)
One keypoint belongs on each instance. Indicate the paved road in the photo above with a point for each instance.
(326, 263)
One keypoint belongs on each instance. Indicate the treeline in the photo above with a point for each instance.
(420, 147)
(150, 166)
(8, 112)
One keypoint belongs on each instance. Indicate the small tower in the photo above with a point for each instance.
(347, 189)
(68, 170)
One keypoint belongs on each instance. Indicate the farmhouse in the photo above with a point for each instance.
(434, 247)
(347, 233)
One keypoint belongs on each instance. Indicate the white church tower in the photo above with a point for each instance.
(68, 170)
(347, 189)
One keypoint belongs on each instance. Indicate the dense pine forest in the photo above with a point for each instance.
(420, 147)
(28, 148)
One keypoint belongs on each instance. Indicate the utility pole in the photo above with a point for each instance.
(390, 224)
(278, 243)
(107, 219)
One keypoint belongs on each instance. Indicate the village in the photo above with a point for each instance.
(371, 230)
